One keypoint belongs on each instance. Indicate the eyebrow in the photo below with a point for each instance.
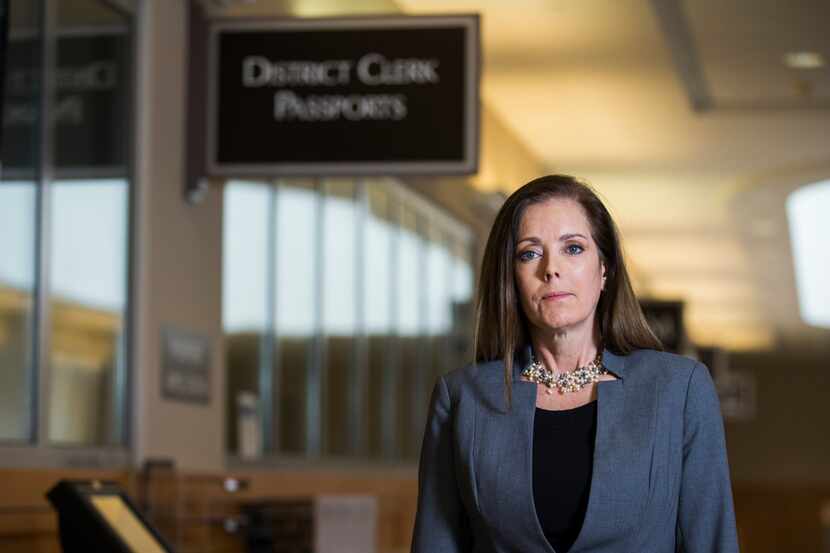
(566, 236)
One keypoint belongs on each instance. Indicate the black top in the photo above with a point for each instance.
(563, 454)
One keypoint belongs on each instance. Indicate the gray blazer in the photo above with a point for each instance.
(660, 481)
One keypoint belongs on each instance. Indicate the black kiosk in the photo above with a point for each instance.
(98, 516)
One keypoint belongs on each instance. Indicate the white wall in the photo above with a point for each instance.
(177, 261)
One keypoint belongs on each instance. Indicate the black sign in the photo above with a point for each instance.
(4, 36)
(89, 110)
(350, 96)
(666, 321)
(714, 358)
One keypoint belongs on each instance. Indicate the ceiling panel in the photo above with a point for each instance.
(593, 90)
(741, 47)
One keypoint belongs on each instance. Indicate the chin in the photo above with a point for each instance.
(555, 325)
(558, 323)
(557, 319)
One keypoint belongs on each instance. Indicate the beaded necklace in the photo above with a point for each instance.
(569, 381)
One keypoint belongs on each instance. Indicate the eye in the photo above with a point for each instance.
(529, 255)
(571, 251)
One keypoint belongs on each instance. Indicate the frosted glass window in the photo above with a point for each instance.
(438, 287)
(246, 234)
(377, 258)
(462, 275)
(342, 408)
(409, 275)
(244, 256)
(341, 297)
(17, 235)
(17, 286)
(89, 235)
(298, 257)
(65, 226)
(807, 211)
(339, 259)
(88, 281)
(296, 231)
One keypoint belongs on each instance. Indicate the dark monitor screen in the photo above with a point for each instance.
(99, 516)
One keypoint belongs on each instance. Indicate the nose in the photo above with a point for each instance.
(550, 271)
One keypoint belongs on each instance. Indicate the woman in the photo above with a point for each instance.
(572, 432)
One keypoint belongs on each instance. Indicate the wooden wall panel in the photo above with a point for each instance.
(191, 509)
(27, 521)
(774, 518)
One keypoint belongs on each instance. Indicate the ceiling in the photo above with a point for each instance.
(685, 119)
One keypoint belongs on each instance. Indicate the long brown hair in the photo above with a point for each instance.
(501, 326)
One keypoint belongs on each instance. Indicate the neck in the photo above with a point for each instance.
(562, 351)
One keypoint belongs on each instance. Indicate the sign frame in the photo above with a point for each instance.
(172, 366)
(469, 163)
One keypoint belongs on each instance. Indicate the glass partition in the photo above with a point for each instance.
(297, 379)
(19, 188)
(65, 215)
(379, 255)
(248, 212)
(342, 392)
(87, 207)
(352, 291)
(88, 303)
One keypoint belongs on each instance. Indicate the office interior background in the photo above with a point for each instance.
(322, 308)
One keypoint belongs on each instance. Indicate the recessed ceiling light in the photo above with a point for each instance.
(804, 60)
(807, 210)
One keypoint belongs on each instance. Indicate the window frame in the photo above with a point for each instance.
(36, 450)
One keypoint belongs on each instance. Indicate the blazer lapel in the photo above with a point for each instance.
(503, 442)
(503, 453)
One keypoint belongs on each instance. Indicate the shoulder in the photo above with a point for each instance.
(475, 372)
(678, 375)
(652, 363)
(682, 375)
(473, 376)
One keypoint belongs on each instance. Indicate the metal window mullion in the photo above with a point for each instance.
(472, 247)
(122, 383)
(275, 383)
(270, 439)
(392, 345)
(439, 353)
(315, 427)
(360, 372)
(418, 409)
(41, 375)
(118, 386)
(448, 358)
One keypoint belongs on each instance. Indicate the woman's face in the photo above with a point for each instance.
(558, 271)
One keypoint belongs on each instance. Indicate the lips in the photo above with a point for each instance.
(556, 295)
